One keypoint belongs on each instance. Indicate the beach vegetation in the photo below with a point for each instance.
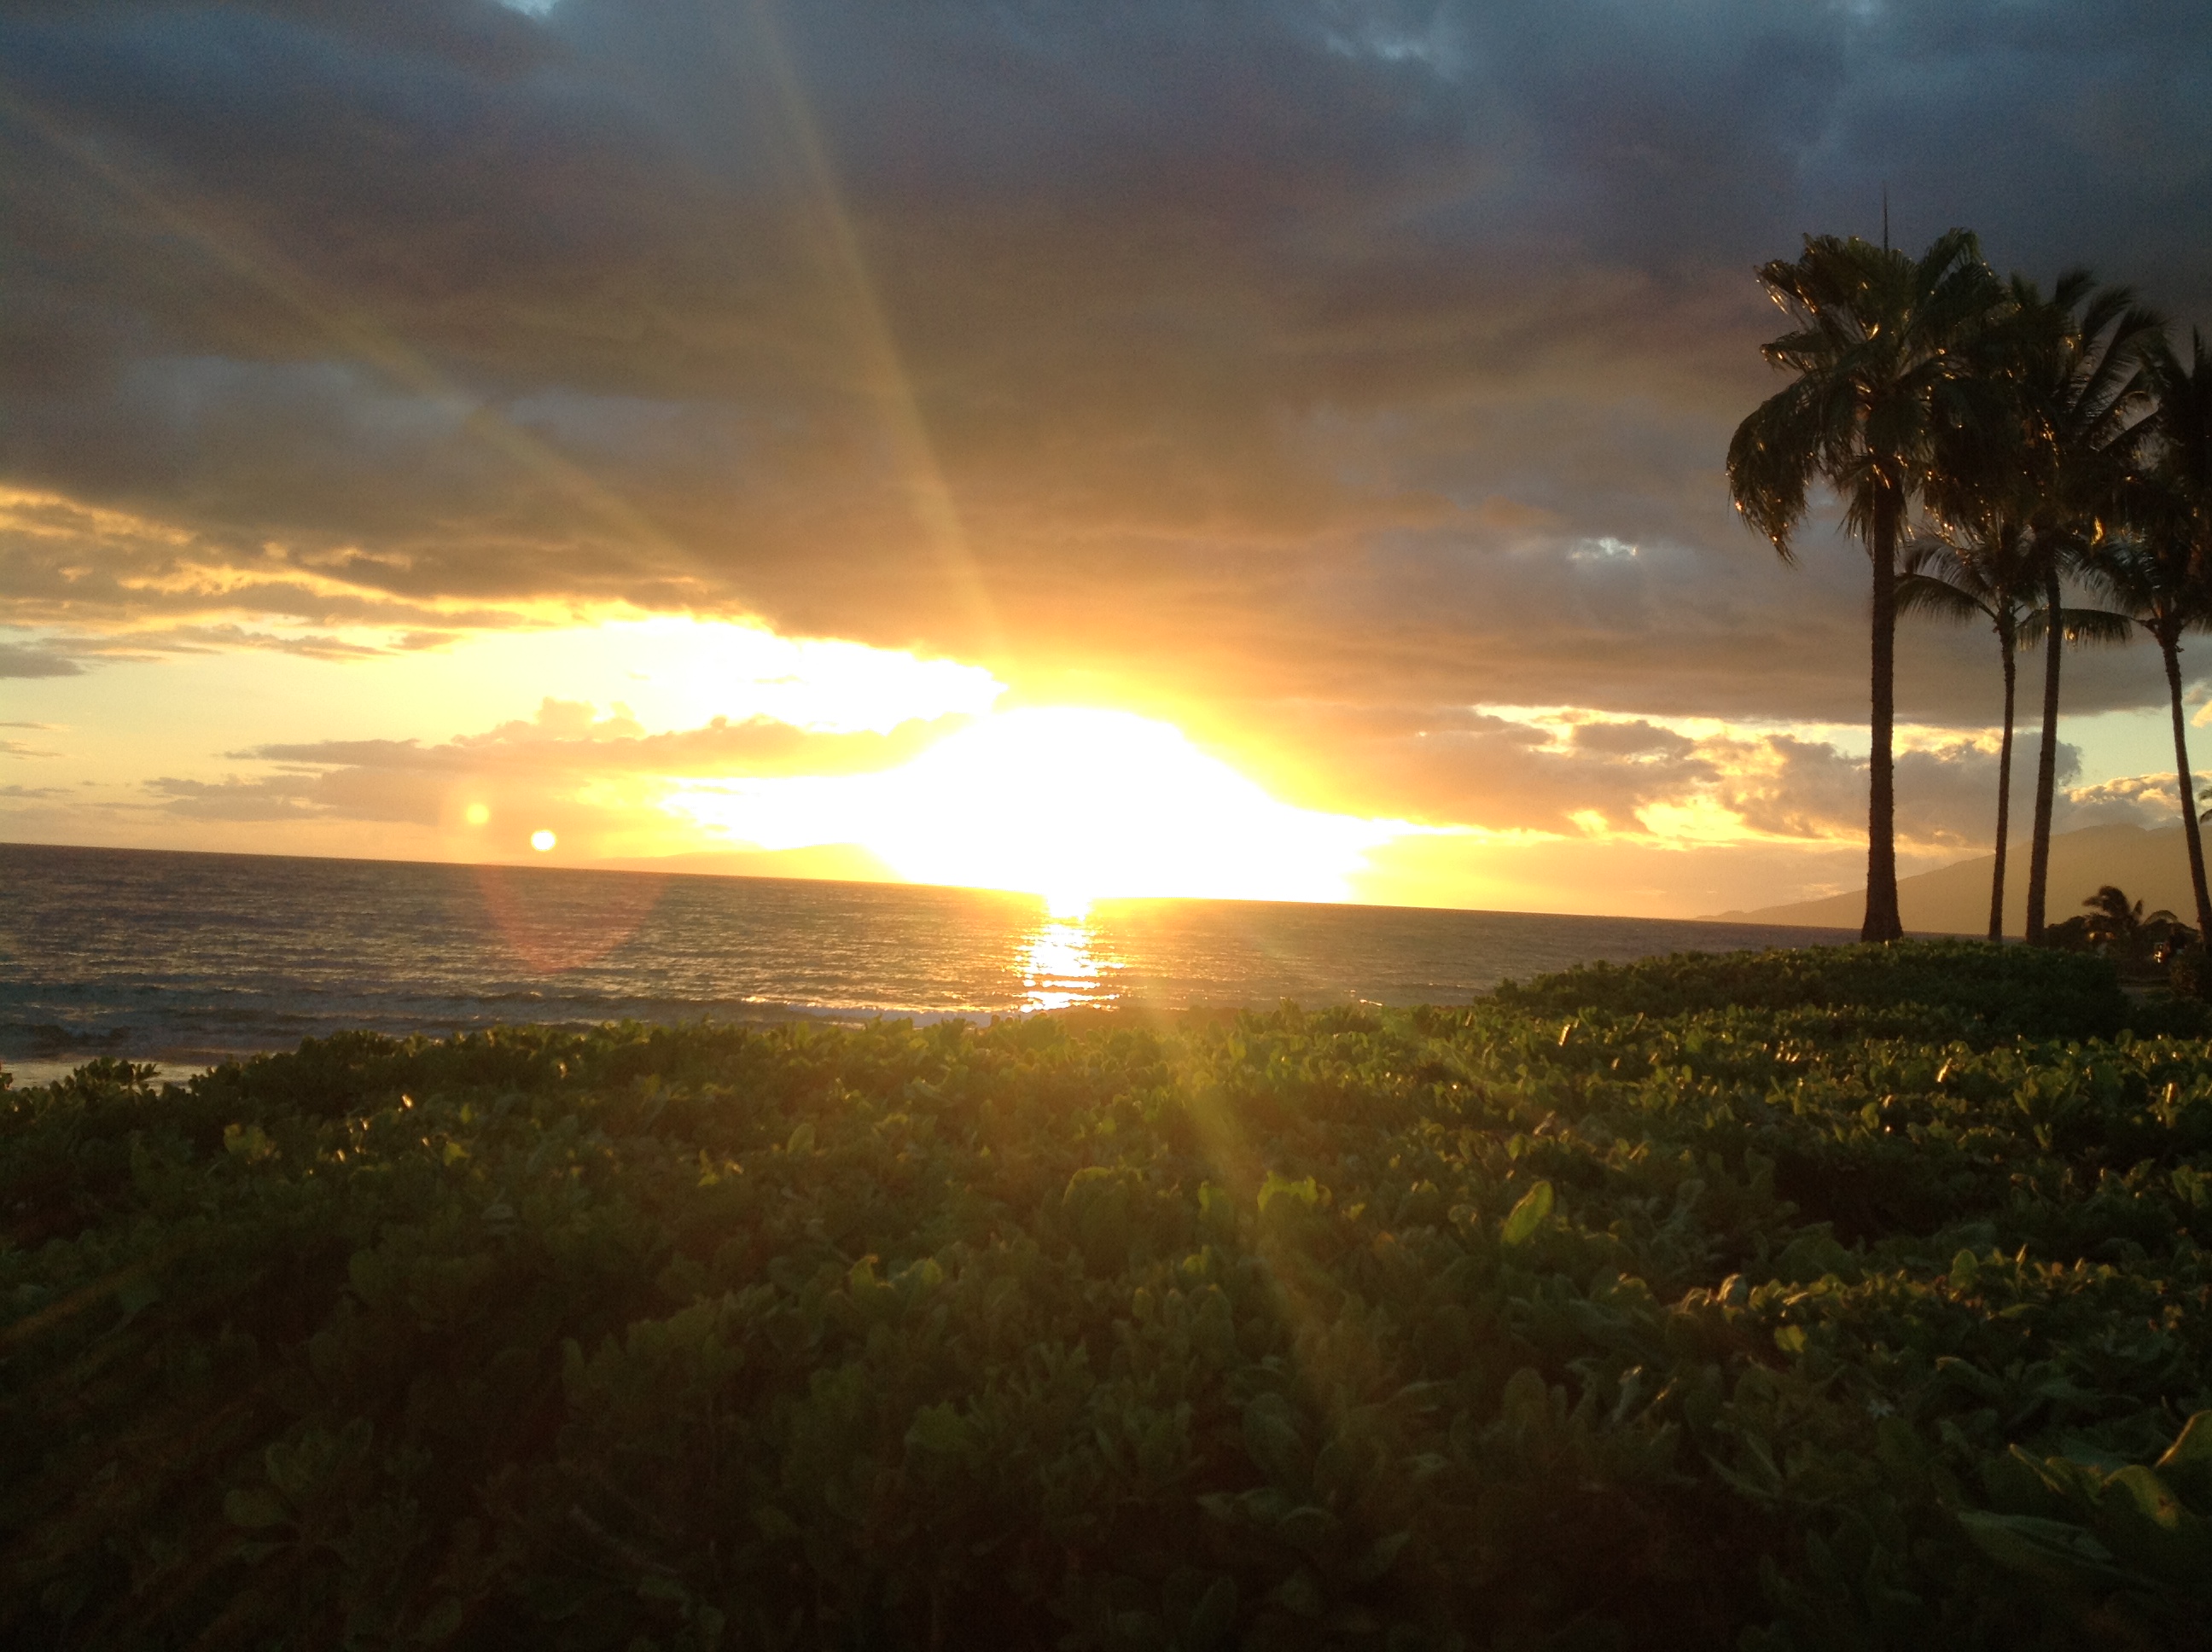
(1850, 1298)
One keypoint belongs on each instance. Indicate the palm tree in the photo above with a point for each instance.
(1981, 558)
(2161, 575)
(1987, 565)
(2180, 429)
(2074, 361)
(1882, 364)
(2111, 916)
(2156, 588)
(1991, 576)
(2111, 921)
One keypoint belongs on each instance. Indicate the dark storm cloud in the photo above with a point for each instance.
(1369, 354)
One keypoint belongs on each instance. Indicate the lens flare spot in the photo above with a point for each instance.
(543, 840)
(477, 814)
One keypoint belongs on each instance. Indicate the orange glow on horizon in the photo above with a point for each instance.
(1072, 804)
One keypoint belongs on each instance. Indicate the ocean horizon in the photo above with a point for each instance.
(187, 959)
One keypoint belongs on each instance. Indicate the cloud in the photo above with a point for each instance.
(1578, 773)
(271, 796)
(2134, 799)
(16, 660)
(1636, 738)
(567, 735)
(1257, 355)
(584, 773)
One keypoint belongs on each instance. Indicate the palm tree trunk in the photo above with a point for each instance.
(1881, 923)
(2046, 760)
(2170, 645)
(2004, 788)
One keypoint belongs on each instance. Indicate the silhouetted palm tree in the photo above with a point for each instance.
(2180, 431)
(2074, 361)
(1985, 570)
(1980, 557)
(1882, 368)
(1986, 564)
(2150, 580)
(2111, 914)
(2160, 574)
(2109, 919)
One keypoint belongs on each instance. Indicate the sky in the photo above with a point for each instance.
(1232, 448)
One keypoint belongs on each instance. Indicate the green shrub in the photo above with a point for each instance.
(2001, 990)
(1484, 1327)
(2188, 973)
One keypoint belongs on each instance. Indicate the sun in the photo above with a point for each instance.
(1076, 804)
(1072, 803)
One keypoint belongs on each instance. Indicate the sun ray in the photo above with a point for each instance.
(874, 341)
(172, 203)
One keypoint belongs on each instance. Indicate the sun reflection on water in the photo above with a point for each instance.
(1059, 969)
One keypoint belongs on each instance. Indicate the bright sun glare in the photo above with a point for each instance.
(1073, 805)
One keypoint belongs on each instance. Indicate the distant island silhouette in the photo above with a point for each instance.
(1954, 900)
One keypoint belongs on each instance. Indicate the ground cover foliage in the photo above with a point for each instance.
(1804, 1301)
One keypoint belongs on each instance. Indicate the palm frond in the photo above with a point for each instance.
(1923, 593)
(1883, 350)
(2096, 627)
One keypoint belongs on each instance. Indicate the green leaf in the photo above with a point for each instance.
(2151, 1497)
(1526, 1217)
(939, 1429)
(249, 1142)
(136, 1293)
(2051, 1550)
(1307, 1526)
(774, 1524)
(1272, 1440)
(256, 1508)
(1299, 1594)
(1382, 1554)
(1214, 1616)
(1216, 1207)
(2194, 1446)
(443, 1621)
(1527, 1400)
(1964, 1266)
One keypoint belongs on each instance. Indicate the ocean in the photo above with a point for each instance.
(188, 960)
